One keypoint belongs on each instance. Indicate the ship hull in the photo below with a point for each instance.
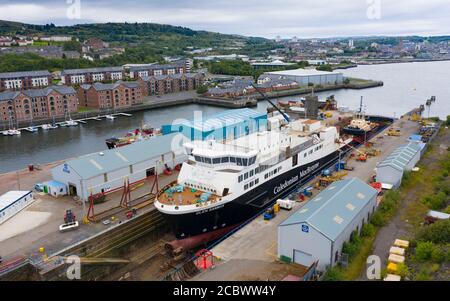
(247, 205)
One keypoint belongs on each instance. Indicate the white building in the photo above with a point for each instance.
(306, 76)
(12, 202)
(108, 170)
(318, 230)
(390, 170)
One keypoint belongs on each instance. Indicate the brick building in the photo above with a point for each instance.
(24, 80)
(53, 101)
(175, 67)
(164, 84)
(91, 75)
(106, 96)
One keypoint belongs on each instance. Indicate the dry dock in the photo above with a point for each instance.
(251, 252)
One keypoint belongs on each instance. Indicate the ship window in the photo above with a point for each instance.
(239, 161)
(275, 171)
(246, 186)
(245, 162)
(232, 159)
(256, 181)
(256, 170)
(266, 176)
(310, 152)
(207, 160)
(225, 159)
(304, 155)
(240, 178)
(251, 173)
(251, 184)
(216, 160)
(198, 158)
(246, 176)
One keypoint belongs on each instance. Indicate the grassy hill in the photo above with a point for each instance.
(143, 42)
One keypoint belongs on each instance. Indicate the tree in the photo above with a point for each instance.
(326, 67)
(202, 89)
(438, 233)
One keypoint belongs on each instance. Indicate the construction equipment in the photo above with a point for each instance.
(361, 158)
(393, 132)
(269, 214)
(70, 222)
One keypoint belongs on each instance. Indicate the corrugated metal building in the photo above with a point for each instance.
(229, 124)
(107, 170)
(305, 76)
(318, 230)
(390, 170)
(12, 202)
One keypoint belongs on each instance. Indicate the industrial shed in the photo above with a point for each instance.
(318, 230)
(390, 170)
(305, 76)
(12, 202)
(105, 171)
(229, 124)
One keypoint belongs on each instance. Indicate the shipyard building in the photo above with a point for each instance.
(318, 230)
(108, 170)
(226, 125)
(390, 171)
(304, 77)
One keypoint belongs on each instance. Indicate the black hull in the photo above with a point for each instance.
(249, 205)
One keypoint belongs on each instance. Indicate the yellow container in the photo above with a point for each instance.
(392, 267)
(276, 208)
(41, 250)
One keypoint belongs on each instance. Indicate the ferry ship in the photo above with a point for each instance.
(223, 184)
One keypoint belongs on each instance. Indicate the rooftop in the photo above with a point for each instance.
(91, 70)
(399, 158)
(10, 197)
(334, 208)
(7, 95)
(301, 72)
(91, 165)
(24, 74)
(226, 118)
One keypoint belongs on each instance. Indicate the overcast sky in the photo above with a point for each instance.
(265, 18)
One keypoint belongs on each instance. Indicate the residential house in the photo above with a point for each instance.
(164, 84)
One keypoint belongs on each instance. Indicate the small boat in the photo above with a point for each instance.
(71, 123)
(11, 132)
(31, 129)
(110, 117)
(139, 134)
(49, 126)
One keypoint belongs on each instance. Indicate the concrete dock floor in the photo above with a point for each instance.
(251, 252)
(38, 225)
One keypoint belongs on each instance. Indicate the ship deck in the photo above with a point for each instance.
(175, 194)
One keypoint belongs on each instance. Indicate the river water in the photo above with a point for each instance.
(406, 86)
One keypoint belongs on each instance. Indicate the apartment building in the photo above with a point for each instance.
(175, 67)
(164, 84)
(91, 75)
(24, 80)
(53, 101)
(108, 96)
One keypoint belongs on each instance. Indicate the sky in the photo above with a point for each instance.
(263, 18)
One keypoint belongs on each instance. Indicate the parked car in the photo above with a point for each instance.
(39, 187)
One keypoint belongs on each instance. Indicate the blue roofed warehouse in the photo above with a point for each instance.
(229, 124)
(319, 229)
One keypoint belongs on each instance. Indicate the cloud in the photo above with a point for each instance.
(268, 18)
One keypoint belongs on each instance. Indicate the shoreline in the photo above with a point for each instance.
(237, 103)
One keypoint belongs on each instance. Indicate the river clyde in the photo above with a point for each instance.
(406, 86)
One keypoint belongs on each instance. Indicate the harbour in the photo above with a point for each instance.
(120, 205)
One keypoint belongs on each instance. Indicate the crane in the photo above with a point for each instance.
(273, 105)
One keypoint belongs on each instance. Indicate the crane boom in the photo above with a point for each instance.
(273, 105)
